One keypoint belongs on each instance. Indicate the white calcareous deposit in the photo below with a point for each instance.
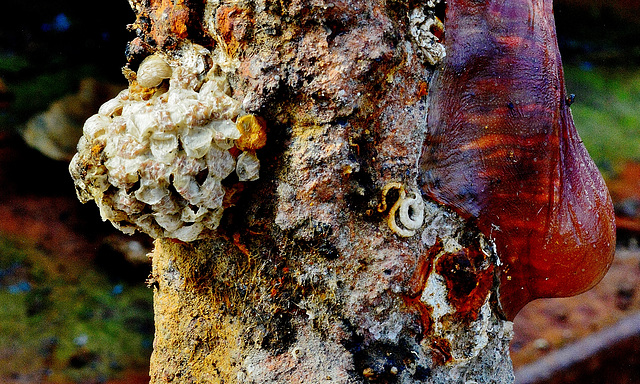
(154, 157)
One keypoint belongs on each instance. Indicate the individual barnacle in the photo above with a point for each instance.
(152, 71)
(253, 133)
(156, 163)
(248, 166)
(410, 210)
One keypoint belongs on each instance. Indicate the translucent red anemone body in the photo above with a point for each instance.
(502, 150)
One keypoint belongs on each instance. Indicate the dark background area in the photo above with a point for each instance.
(46, 47)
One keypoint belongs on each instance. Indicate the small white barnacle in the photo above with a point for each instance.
(248, 166)
(112, 107)
(152, 71)
(96, 126)
(410, 209)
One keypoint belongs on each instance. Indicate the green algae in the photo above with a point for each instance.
(607, 113)
(69, 323)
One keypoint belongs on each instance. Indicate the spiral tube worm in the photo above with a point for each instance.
(502, 151)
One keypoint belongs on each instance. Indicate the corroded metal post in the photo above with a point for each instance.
(272, 149)
(322, 270)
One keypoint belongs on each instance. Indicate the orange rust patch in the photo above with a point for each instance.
(422, 311)
(96, 149)
(233, 25)
(235, 152)
(137, 92)
(416, 284)
(424, 265)
(165, 21)
(423, 90)
(237, 242)
(170, 17)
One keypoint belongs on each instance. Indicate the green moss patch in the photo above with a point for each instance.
(607, 113)
(66, 322)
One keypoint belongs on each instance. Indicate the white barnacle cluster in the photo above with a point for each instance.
(154, 157)
(422, 23)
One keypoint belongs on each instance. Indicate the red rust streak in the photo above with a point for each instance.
(416, 284)
(469, 278)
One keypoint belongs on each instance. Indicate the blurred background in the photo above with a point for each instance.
(74, 306)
